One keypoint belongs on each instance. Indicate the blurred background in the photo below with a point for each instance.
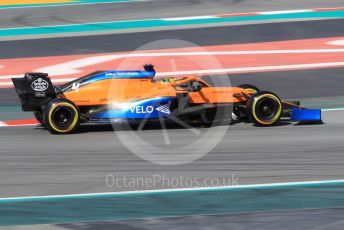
(293, 48)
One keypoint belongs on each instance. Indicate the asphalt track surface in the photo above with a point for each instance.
(288, 84)
(11, 18)
(199, 36)
(35, 163)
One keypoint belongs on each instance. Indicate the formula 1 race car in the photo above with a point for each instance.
(107, 96)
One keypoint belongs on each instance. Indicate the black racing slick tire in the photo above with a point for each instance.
(253, 88)
(265, 108)
(61, 116)
(237, 111)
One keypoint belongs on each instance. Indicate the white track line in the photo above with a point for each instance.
(7, 77)
(253, 69)
(164, 19)
(225, 71)
(157, 191)
(189, 18)
(56, 80)
(333, 109)
(285, 12)
(72, 24)
(100, 59)
(68, 4)
(336, 43)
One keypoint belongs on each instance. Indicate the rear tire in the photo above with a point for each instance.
(61, 116)
(265, 108)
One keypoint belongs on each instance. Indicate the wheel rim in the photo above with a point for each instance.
(267, 109)
(63, 117)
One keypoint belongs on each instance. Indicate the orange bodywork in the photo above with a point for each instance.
(125, 90)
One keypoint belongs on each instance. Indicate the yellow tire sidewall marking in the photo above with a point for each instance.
(75, 121)
(277, 115)
(252, 90)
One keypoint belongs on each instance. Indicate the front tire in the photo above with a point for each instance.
(250, 87)
(265, 108)
(239, 111)
(61, 116)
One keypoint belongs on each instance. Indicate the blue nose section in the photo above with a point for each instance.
(298, 114)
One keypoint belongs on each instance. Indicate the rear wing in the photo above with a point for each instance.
(34, 90)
